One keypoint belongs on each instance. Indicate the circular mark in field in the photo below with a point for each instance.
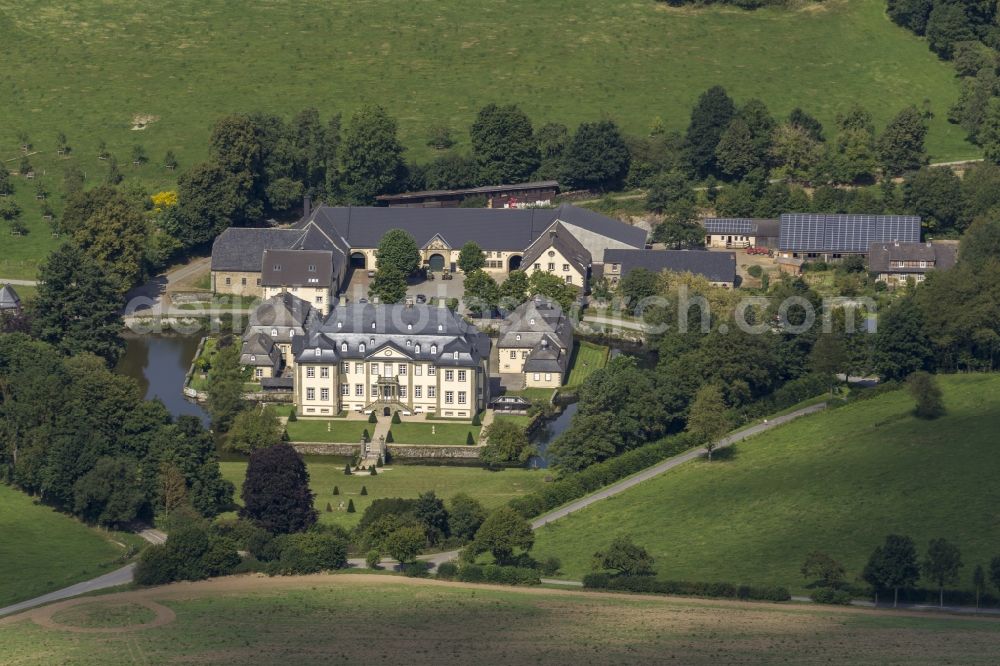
(100, 616)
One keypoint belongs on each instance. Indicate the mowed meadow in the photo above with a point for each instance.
(92, 68)
(838, 482)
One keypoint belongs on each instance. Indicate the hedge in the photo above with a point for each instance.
(651, 585)
(494, 573)
(600, 474)
(447, 570)
(829, 595)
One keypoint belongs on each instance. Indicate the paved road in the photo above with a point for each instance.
(19, 283)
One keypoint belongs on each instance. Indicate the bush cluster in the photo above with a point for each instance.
(495, 573)
(447, 570)
(829, 595)
(650, 585)
(599, 475)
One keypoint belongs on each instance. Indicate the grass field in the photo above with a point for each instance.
(454, 434)
(586, 360)
(333, 430)
(490, 488)
(88, 69)
(838, 482)
(43, 550)
(381, 619)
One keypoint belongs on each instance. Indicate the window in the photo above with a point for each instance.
(361, 348)
(552, 253)
(569, 279)
(373, 326)
(258, 282)
(277, 267)
(409, 343)
(345, 367)
(388, 370)
(324, 372)
(374, 390)
(340, 324)
(252, 358)
(259, 373)
(517, 337)
(359, 368)
(536, 376)
(513, 353)
(449, 397)
(431, 371)
(565, 267)
(532, 321)
(371, 341)
(359, 389)
(402, 369)
(310, 394)
(418, 391)
(324, 394)
(524, 354)
(552, 266)
(431, 391)
(274, 332)
(312, 268)
(402, 391)
(343, 346)
(375, 367)
(319, 299)
(345, 389)
(310, 372)
(461, 375)
(434, 349)
(538, 267)
(418, 370)
(548, 376)
(417, 349)
(461, 397)
(319, 352)
(440, 327)
(409, 327)
(455, 355)
(449, 375)
(243, 281)
(229, 280)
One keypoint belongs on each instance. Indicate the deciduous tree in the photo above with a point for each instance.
(596, 157)
(927, 394)
(504, 145)
(708, 419)
(371, 156)
(506, 443)
(504, 531)
(710, 116)
(941, 564)
(623, 557)
(276, 494)
(471, 258)
(901, 145)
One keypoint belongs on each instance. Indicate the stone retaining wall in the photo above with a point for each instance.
(395, 450)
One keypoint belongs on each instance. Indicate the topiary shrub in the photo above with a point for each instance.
(350, 506)
(395, 417)
(364, 490)
(372, 418)
(388, 438)
(476, 420)
(469, 439)
(366, 436)
(336, 490)
(347, 471)
(329, 508)
(291, 416)
(373, 471)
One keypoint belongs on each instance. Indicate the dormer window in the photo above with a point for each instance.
(371, 341)
(252, 358)
(373, 326)
(455, 355)
(440, 327)
(343, 346)
(312, 268)
(417, 349)
(517, 337)
(319, 352)
(409, 343)
(274, 332)
(361, 347)
(340, 324)
(434, 349)
(409, 327)
(277, 267)
(532, 321)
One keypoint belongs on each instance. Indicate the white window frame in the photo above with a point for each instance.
(310, 372)
(310, 394)
(449, 397)
(449, 375)
(462, 375)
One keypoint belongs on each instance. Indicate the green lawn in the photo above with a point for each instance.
(534, 394)
(838, 482)
(43, 550)
(318, 619)
(517, 419)
(400, 480)
(587, 358)
(88, 69)
(334, 430)
(443, 433)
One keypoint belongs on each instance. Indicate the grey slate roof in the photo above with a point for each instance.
(534, 320)
(559, 238)
(9, 300)
(361, 331)
(241, 249)
(259, 351)
(282, 317)
(490, 228)
(297, 268)
(820, 232)
(938, 256)
(714, 266)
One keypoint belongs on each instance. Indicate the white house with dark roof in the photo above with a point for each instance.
(414, 358)
(351, 236)
(898, 263)
(536, 341)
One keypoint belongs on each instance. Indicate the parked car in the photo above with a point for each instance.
(421, 299)
(446, 275)
(758, 250)
(362, 301)
(371, 273)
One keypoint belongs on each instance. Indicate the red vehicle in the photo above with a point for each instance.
(758, 250)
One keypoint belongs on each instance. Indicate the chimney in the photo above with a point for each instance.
(552, 232)
(306, 206)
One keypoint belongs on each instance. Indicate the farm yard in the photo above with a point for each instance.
(317, 619)
(76, 68)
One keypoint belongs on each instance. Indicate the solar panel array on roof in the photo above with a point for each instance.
(730, 225)
(817, 232)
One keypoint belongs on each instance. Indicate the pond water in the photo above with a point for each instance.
(159, 363)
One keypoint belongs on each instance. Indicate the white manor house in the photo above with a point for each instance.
(363, 357)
